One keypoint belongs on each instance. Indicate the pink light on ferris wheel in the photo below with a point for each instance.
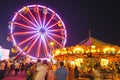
(34, 27)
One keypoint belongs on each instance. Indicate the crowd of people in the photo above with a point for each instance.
(45, 70)
(8, 68)
(40, 70)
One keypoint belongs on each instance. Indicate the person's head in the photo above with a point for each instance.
(76, 67)
(61, 64)
(50, 66)
(38, 60)
(44, 61)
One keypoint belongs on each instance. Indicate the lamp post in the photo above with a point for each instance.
(51, 49)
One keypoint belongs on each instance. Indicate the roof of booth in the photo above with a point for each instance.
(93, 41)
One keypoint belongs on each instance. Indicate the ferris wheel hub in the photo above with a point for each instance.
(42, 31)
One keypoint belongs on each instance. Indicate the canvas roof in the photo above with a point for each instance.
(93, 41)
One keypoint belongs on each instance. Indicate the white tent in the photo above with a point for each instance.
(4, 54)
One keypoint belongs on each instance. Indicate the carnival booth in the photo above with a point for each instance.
(90, 53)
(4, 53)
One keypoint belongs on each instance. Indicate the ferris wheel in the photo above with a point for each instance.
(34, 27)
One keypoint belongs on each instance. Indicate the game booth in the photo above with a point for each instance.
(4, 53)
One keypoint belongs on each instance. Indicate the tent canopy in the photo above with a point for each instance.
(92, 41)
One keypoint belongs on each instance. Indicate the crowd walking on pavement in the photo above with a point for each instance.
(40, 70)
(44, 70)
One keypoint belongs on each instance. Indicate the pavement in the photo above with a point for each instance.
(14, 78)
(20, 76)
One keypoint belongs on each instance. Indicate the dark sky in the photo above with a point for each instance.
(102, 17)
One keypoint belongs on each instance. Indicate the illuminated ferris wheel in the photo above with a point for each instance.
(34, 27)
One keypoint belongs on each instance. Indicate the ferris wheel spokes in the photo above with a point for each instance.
(52, 25)
(28, 20)
(33, 17)
(23, 33)
(56, 35)
(36, 26)
(24, 26)
(35, 40)
(44, 16)
(39, 17)
(39, 49)
(49, 20)
(26, 40)
(55, 40)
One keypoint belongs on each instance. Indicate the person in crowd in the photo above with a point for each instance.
(17, 67)
(22, 66)
(31, 72)
(61, 73)
(39, 62)
(5, 69)
(96, 73)
(70, 72)
(41, 71)
(50, 72)
(27, 65)
(76, 73)
(2, 67)
(9, 70)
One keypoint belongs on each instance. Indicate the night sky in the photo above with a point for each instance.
(102, 17)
